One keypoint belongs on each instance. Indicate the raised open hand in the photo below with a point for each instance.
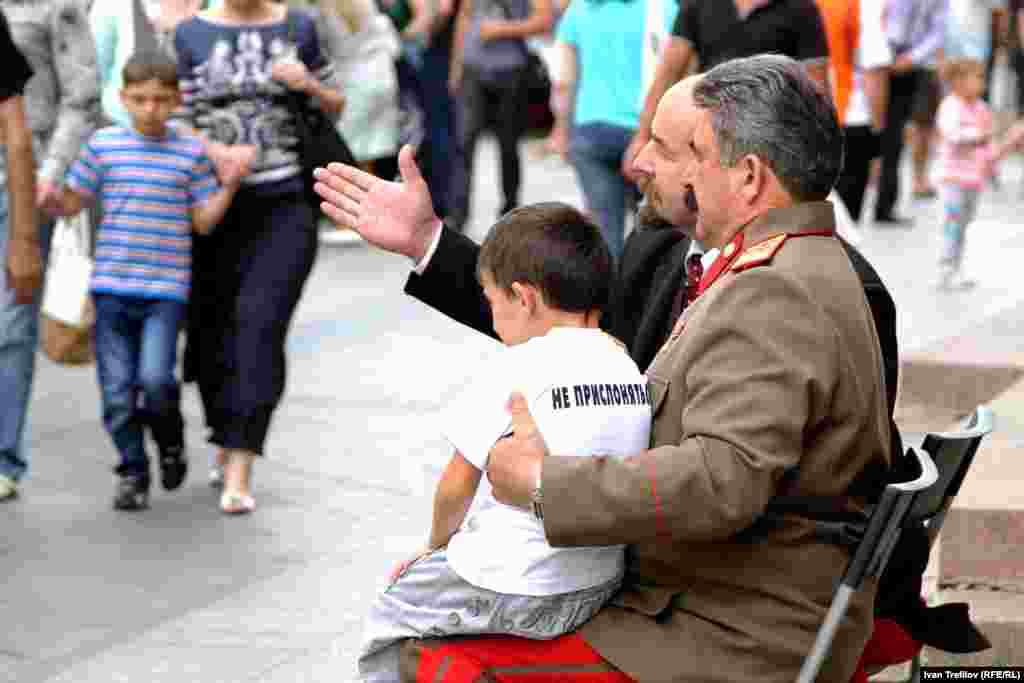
(395, 216)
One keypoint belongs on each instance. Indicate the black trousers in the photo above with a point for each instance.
(861, 148)
(1017, 63)
(248, 276)
(497, 102)
(912, 96)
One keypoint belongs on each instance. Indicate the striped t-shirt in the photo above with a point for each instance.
(147, 188)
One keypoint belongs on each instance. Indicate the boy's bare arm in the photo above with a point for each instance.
(452, 499)
(236, 166)
(206, 217)
(71, 202)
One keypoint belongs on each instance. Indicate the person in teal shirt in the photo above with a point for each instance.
(598, 101)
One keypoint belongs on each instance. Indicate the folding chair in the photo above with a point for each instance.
(883, 528)
(952, 453)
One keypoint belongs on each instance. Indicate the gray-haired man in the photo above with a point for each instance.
(62, 102)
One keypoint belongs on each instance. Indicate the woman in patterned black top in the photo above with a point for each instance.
(237, 63)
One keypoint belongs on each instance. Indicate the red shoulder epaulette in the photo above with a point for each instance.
(759, 254)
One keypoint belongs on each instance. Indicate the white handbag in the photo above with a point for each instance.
(66, 297)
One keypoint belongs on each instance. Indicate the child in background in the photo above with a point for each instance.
(154, 185)
(966, 161)
(546, 273)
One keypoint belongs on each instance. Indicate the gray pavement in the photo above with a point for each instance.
(181, 593)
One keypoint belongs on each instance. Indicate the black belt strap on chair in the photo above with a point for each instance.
(833, 521)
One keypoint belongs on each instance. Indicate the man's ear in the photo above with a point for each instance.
(752, 177)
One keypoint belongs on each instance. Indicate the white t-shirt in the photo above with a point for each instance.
(873, 51)
(588, 398)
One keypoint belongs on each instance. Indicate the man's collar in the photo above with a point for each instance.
(804, 217)
(807, 218)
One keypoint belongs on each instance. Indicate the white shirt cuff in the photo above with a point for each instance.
(421, 265)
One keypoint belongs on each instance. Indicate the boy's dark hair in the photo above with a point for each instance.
(148, 66)
(554, 248)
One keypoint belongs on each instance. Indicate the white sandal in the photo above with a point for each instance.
(234, 503)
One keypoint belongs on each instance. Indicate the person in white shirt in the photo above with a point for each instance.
(860, 90)
(546, 272)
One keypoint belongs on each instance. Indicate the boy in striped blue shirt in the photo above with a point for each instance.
(154, 185)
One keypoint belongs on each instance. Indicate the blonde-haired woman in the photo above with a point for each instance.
(362, 44)
(366, 70)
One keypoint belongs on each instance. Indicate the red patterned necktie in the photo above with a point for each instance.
(686, 294)
(694, 273)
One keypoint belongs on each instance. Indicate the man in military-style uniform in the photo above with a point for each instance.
(769, 389)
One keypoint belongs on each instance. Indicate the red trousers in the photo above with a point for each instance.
(506, 659)
(890, 644)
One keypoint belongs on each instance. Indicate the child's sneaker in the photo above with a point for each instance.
(132, 493)
(173, 466)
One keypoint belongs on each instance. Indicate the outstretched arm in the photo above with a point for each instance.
(399, 217)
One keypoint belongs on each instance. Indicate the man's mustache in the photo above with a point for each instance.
(690, 199)
(647, 214)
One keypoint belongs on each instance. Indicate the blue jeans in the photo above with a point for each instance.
(596, 151)
(19, 334)
(136, 349)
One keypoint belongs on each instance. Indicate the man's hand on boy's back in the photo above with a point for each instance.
(514, 463)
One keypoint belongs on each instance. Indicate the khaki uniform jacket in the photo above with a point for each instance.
(772, 384)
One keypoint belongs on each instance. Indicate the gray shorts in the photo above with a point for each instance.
(431, 601)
